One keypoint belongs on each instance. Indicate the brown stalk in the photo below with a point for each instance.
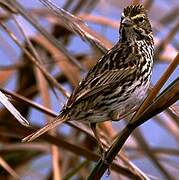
(11, 132)
(159, 151)
(135, 2)
(63, 144)
(43, 90)
(26, 101)
(45, 33)
(169, 125)
(145, 147)
(100, 20)
(61, 60)
(6, 166)
(77, 150)
(167, 39)
(76, 25)
(8, 147)
(170, 16)
(33, 59)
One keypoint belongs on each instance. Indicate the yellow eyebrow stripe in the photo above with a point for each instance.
(138, 15)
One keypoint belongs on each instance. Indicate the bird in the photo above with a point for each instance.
(119, 81)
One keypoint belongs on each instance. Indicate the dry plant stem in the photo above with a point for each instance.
(6, 166)
(158, 150)
(88, 154)
(142, 115)
(38, 59)
(49, 112)
(77, 150)
(11, 67)
(55, 163)
(135, 2)
(148, 4)
(43, 109)
(79, 27)
(10, 147)
(107, 128)
(170, 126)
(45, 73)
(54, 41)
(76, 25)
(76, 170)
(170, 16)
(167, 39)
(6, 6)
(43, 89)
(65, 65)
(10, 107)
(99, 20)
(146, 148)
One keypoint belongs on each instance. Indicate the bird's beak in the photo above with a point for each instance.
(127, 22)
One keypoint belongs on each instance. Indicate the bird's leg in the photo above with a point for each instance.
(96, 134)
(102, 151)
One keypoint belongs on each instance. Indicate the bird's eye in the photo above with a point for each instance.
(140, 19)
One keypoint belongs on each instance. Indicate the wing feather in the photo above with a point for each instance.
(104, 81)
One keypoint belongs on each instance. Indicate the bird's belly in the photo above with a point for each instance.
(135, 98)
(134, 94)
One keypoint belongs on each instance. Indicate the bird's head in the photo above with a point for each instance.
(135, 24)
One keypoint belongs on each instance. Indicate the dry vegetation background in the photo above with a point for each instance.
(44, 52)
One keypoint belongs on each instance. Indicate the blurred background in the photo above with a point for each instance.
(32, 36)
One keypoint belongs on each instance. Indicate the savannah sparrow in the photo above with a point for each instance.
(119, 81)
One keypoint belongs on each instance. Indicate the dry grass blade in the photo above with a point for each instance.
(87, 153)
(76, 149)
(9, 169)
(7, 7)
(170, 16)
(75, 170)
(75, 25)
(167, 39)
(43, 89)
(45, 110)
(175, 110)
(44, 147)
(155, 150)
(39, 61)
(65, 65)
(4, 100)
(45, 33)
(169, 125)
(141, 140)
(5, 75)
(42, 69)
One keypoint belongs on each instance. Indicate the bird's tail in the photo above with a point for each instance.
(57, 121)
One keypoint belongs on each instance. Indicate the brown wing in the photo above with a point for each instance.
(100, 83)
